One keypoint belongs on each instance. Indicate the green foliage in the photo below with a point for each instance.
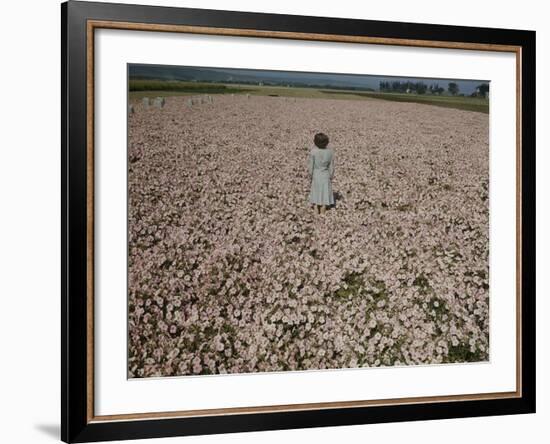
(188, 87)
(354, 282)
(483, 88)
(422, 282)
(462, 353)
(453, 88)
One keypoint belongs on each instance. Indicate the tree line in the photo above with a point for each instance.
(434, 88)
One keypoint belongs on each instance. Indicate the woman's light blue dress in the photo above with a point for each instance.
(321, 171)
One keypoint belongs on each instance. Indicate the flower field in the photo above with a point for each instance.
(230, 270)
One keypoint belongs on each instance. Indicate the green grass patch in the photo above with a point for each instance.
(456, 102)
(354, 282)
(422, 283)
(462, 353)
(179, 86)
(139, 88)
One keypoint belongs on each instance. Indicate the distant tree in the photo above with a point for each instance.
(421, 88)
(483, 89)
(385, 86)
(453, 88)
(436, 89)
(409, 87)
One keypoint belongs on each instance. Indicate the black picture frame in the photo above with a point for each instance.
(76, 423)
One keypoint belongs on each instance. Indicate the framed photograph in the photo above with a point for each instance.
(275, 221)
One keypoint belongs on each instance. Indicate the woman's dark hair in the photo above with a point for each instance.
(320, 140)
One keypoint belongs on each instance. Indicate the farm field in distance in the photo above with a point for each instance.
(230, 271)
(154, 88)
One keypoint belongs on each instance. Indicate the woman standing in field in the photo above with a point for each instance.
(321, 171)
